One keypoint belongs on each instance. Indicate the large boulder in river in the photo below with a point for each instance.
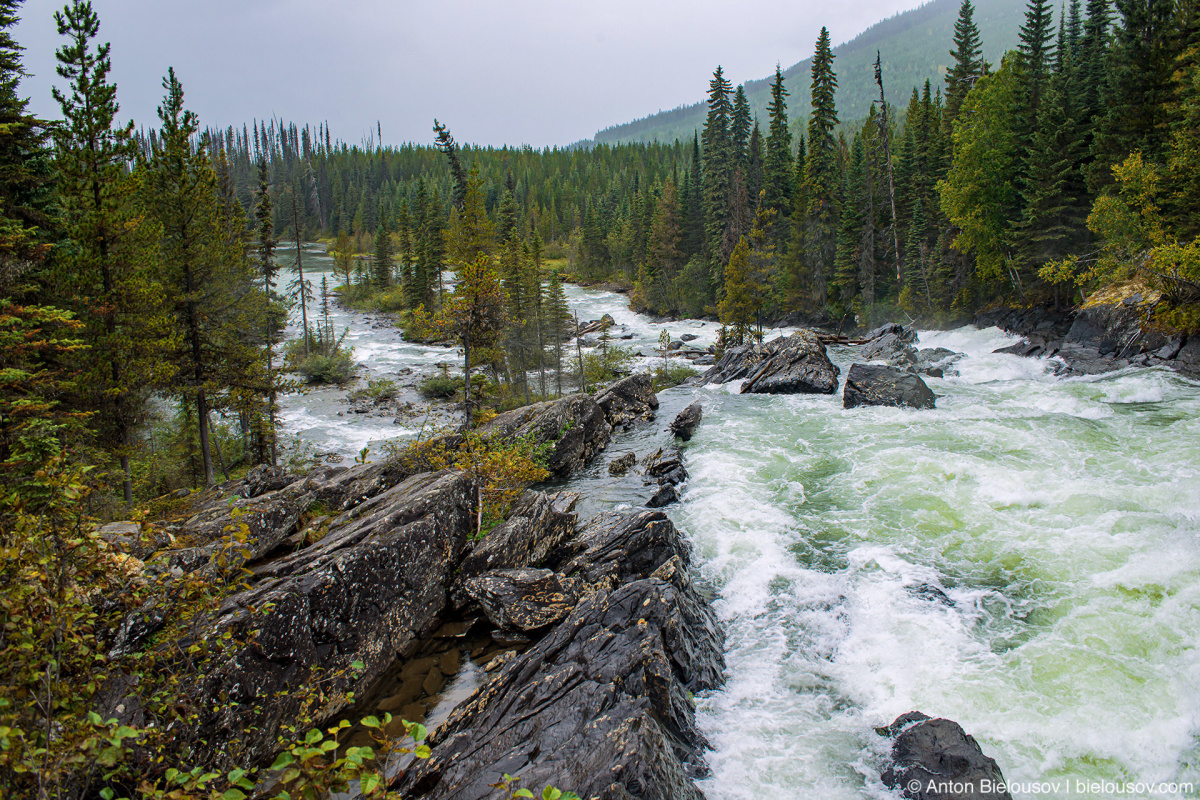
(574, 427)
(628, 401)
(684, 425)
(872, 385)
(795, 364)
(935, 759)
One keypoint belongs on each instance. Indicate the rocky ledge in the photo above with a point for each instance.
(1113, 331)
(351, 571)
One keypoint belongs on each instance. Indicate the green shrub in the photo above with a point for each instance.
(441, 387)
(376, 389)
(667, 375)
(320, 369)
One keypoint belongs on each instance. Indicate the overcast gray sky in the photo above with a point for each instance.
(539, 72)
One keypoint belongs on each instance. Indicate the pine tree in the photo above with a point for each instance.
(968, 64)
(739, 128)
(1138, 88)
(383, 260)
(107, 270)
(1035, 63)
(718, 170)
(821, 176)
(777, 167)
(266, 258)
(206, 275)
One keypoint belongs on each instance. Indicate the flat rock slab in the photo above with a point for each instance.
(871, 385)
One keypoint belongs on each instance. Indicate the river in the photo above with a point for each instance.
(1025, 560)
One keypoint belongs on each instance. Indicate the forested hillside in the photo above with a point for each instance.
(913, 44)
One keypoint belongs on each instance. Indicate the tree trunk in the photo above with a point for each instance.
(202, 430)
(887, 154)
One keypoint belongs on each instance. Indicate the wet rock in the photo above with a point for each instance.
(367, 591)
(935, 759)
(622, 465)
(904, 334)
(263, 478)
(666, 466)
(665, 496)
(795, 364)
(522, 599)
(628, 401)
(893, 349)
(614, 548)
(688, 337)
(872, 385)
(674, 345)
(537, 524)
(1188, 357)
(684, 425)
(602, 705)
(575, 427)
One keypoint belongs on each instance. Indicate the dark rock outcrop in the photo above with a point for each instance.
(522, 599)
(575, 427)
(795, 364)
(602, 705)
(873, 385)
(893, 349)
(665, 496)
(367, 591)
(628, 401)
(684, 425)
(537, 525)
(935, 759)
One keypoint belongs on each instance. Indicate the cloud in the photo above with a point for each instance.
(518, 72)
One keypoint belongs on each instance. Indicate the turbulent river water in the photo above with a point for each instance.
(1025, 560)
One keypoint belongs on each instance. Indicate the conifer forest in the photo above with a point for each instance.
(149, 274)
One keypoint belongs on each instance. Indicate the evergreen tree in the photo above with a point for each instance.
(383, 260)
(968, 64)
(205, 272)
(777, 166)
(719, 166)
(739, 128)
(1035, 63)
(107, 267)
(1138, 88)
(821, 177)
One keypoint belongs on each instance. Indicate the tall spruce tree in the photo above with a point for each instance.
(739, 128)
(968, 66)
(821, 177)
(777, 166)
(107, 268)
(718, 171)
(1138, 88)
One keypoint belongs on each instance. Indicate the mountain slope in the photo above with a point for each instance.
(915, 45)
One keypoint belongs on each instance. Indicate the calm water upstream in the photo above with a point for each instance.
(1025, 559)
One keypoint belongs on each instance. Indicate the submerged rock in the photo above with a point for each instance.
(796, 364)
(935, 759)
(871, 385)
(685, 423)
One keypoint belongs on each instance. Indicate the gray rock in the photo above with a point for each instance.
(795, 364)
(622, 465)
(628, 401)
(872, 385)
(934, 759)
(537, 525)
(666, 466)
(575, 428)
(890, 348)
(684, 425)
(1188, 358)
(665, 496)
(904, 334)
(688, 337)
(522, 599)
(368, 591)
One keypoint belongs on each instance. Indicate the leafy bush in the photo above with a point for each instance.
(320, 369)
(377, 389)
(441, 387)
(601, 366)
(667, 375)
